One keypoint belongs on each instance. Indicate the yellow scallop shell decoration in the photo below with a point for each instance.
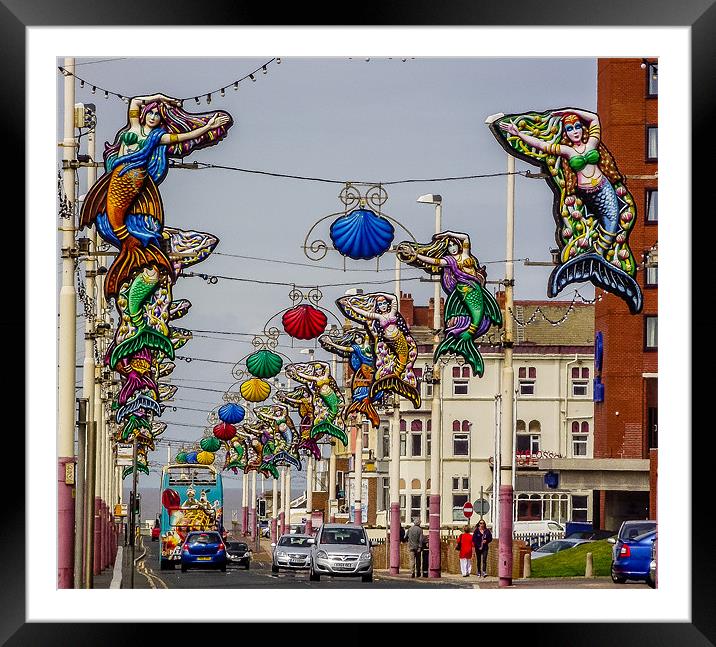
(255, 390)
(205, 458)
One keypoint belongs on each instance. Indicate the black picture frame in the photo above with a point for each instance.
(699, 15)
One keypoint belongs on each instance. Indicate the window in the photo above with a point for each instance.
(651, 276)
(403, 443)
(650, 332)
(418, 372)
(460, 483)
(465, 483)
(458, 500)
(460, 387)
(460, 444)
(428, 444)
(386, 442)
(366, 438)
(415, 506)
(527, 443)
(527, 376)
(652, 206)
(652, 138)
(579, 508)
(580, 437)
(580, 381)
(416, 438)
(652, 80)
(402, 508)
(386, 493)
(466, 424)
(455, 482)
(428, 389)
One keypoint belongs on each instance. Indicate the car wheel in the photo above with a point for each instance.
(617, 579)
(314, 577)
(367, 578)
(183, 568)
(247, 566)
(274, 568)
(650, 582)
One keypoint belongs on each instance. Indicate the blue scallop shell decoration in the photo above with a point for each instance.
(362, 234)
(191, 458)
(232, 413)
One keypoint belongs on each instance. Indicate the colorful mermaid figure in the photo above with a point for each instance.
(125, 203)
(395, 349)
(593, 209)
(470, 310)
(354, 344)
(328, 402)
(301, 400)
(285, 437)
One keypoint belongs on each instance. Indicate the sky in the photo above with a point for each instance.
(376, 120)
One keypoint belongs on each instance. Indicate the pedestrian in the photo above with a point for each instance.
(425, 555)
(415, 543)
(402, 534)
(464, 545)
(481, 539)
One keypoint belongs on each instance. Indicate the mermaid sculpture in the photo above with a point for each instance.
(301, 399)
(354, 344)
(593, 209)
(126, 208)
(285, 438)
(470, 310)
(328, 402)
(394, 348)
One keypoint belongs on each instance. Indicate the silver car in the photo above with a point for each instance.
(291, 552)
(341, 550)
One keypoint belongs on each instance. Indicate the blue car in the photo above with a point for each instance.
(203, 549)
(631, 555)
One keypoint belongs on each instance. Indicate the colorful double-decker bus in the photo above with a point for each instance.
(192, 498)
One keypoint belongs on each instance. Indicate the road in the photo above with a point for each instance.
(258, 576)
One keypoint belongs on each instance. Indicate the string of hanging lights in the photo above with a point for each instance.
(207, 96)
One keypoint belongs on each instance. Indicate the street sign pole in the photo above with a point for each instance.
(132, 515)
(481, 504)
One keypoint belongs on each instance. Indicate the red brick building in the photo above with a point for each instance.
(622, 474)
(626, 420)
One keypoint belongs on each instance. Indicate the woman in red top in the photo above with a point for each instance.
(464, 545)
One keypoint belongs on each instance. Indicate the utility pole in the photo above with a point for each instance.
(287, 507)
(245, 504)
(282, 513)
(332, 456)
(79, 487)
(309, 495)
(67, 349)
(133, 520)
(91, 454)
(506, 492)
(358, 470)
(252, 509)
(274, 511)
(395, 463)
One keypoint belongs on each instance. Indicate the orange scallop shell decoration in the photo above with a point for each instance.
(304, 322)
(255, 390)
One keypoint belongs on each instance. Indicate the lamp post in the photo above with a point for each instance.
(436, 428)
(395, 464)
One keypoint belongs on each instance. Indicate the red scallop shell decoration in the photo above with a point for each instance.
(304, 322)
(224, 431)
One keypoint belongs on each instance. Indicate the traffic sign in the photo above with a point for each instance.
(467, 509)
(481, 506)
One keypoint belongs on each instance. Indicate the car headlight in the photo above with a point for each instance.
(321, 554)
(280, 553)
(364, 557)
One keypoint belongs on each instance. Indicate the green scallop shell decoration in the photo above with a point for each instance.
(180, 457)
(264, 363)
(210, 444)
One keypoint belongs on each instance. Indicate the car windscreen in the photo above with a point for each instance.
(204, 538)
(552, 547)
(343, 536)
(236, 545)
(293, 541)
(629, 531)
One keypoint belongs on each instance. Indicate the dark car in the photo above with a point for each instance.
(557, 546)
(203, 549)
(631, 554)
(238, 553)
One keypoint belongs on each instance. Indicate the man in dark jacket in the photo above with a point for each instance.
(415, 545)
(481, 539)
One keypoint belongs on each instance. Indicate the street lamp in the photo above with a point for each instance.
(435, 418)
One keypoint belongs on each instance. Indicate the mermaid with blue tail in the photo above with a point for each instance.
(593, 208)
(470, 310)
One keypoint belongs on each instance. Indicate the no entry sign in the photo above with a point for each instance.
(467, 509)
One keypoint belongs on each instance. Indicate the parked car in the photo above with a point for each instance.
(557, 546)
(595, 535)
(155, 533)
(341, 550)
(537, 533)
(203, 549)
(292, 552)
(632, 551)
(238, 553)
(651, 579)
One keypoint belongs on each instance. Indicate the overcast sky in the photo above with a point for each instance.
(344, 119)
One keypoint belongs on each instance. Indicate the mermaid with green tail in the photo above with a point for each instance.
(328, 402)
(470, 310)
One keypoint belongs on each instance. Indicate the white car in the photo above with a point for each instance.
(341, 550)
(556, 546)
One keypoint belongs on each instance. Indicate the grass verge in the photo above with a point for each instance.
(572, 562)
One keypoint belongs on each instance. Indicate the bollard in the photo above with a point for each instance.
(589, 569)
(528, 565)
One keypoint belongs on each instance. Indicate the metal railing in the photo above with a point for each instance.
(537, 539)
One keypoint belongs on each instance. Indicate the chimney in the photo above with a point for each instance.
(500, 298)
(407, 308)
